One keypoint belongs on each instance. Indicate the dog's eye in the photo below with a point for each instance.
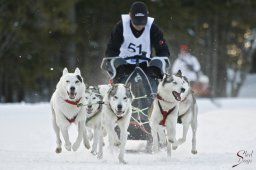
(67, 81)
(125, 98)
(115, 97)
(175, 83)
(94, 98)
(77, 82)
(86, 97)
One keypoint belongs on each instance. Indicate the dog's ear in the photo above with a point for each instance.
(166, 78)
(86, 87)
(79, 78)
(65, 71)
(77, 71)
(128, 90)
(185, 78)
(128, 85)
(179, 74)
(112, 90)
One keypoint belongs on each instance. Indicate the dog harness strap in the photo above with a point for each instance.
(164, 113)
(118, 118)
(71, 120)
(160, 98)
(73, 102)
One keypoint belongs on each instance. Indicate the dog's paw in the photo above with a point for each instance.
(117, 143)
(122, 161)
(174, 147)
(75, 146)
(194, 152)
(100, 155)
(162, 145)
(87, 144)
(170, 140)
(58, 150)
(181, 141)
(155, 149)
(90, 136)
(68, 147)
(94, 152)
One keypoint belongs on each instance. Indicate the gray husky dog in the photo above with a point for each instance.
(174, 102)
(93, 110)
(188, 111)
(117, 111)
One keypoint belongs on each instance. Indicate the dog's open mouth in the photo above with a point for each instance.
(71, 95)
(119, 113)
(89, 110)
(176, 95)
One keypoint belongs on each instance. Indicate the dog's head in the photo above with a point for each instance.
(92, 99)
(173, 86)
(71, 85)
(120, 98)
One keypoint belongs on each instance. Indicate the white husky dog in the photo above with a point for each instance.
(165, 110)
(117, 110)
(188, 111)
(70, 91)
(93, 107)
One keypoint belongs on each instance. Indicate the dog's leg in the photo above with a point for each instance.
(162, 137)
(171, 131)
(57, 133)
(123, 139)
(90, 133)
(185, 126)
(85, 139)
(154, 130)
(111, 136)
(100, 144)
(81, 129)
(64, 131)
(95, 140)
(184, 135)
(194, 129)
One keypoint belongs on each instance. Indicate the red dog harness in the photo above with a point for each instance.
(164, 113)
(72, 120)
(73, 102)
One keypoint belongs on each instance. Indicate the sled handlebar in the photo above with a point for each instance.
(138, 57)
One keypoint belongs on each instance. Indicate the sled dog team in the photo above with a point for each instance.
(97, 110)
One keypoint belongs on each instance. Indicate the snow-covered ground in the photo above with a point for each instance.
(27, 141)
(249, 87)
(225, 131)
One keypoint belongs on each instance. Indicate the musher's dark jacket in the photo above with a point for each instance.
(156, 40)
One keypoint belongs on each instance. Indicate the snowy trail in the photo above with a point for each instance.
(27, 141)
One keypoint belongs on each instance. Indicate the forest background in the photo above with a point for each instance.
(38, 38)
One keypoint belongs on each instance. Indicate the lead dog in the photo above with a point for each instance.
(117, 110)
(70, 91)
(165, 110)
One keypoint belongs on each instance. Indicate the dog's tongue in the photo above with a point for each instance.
(72, 95)
(176, 95)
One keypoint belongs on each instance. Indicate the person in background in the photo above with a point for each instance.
(190, 67)
(136, 34)
(187, 63)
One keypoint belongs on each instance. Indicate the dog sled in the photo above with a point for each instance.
(144, 88)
